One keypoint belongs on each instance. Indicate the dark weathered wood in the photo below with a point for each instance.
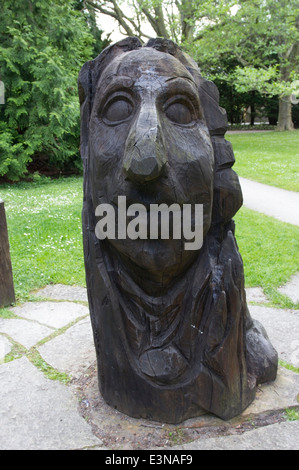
(7, 294)
(172, 331)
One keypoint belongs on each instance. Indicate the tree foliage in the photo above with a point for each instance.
(258, 38)
(262, 36)
(42, 48)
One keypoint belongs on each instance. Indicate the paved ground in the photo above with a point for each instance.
(49, 395)
(276, 202)
(51, 340)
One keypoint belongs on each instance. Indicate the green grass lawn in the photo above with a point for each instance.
(44, 223)
(270, 252)
(268, 157)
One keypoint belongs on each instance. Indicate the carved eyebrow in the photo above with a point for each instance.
(183, 77)
(113, 83)
(184, 80)
(183, 84)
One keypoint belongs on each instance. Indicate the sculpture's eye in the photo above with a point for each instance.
(179, 113)
(117, 110)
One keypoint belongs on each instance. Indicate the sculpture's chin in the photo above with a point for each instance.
(158, 261)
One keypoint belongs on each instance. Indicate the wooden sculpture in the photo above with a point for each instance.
(172, 331)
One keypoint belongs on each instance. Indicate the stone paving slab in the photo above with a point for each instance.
(53, 314)
(282, 393)
(24, 332)
(282, 327)
(62, 292)
(5, 347)
(255, 294)
(279, 436)
(291, 288)
(37, 413)
(73, 352)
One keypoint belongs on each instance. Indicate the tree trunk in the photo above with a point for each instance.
(285, 122)
(187, 11)
(252, 108)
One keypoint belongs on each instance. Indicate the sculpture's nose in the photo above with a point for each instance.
(145, 154)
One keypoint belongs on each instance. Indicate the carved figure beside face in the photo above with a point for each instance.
(172, 331)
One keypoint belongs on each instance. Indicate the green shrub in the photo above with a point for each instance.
(42, 47)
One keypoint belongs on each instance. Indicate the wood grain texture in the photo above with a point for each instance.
(7, 295)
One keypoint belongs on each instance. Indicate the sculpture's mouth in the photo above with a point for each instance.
(160, 238)
(159, 197)
(130, 219)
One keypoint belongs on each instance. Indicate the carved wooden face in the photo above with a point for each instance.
(148, 141)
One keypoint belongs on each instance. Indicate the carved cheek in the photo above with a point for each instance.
(189, 152)
(106, 146)
(105, 160)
